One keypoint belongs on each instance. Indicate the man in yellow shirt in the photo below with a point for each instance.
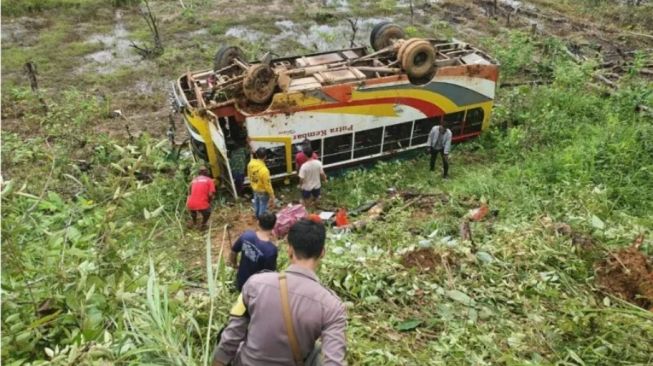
(259, 179)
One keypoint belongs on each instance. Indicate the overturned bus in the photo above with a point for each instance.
(352, 104)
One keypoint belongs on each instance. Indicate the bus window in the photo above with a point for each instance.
(423, 128)
(276, 160)
(337, 148)
(474, 121)
(316, 145)
(367, 142)
(454, 122)
(397, 136)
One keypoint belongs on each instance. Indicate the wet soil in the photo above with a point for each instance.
(426, 259)
(627, 273)
(237, 217)
(117, 51)
(424, 206)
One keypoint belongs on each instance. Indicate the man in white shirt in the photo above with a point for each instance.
(439, 142)
(311, 175)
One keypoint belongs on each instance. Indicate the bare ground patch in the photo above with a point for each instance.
(627, 273)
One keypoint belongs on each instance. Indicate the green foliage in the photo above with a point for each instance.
(95, 266)
(515, 59)
(19, 7)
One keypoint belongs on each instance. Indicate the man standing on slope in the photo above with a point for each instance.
(258, 252)
(259, 179)
(311, 176)
(439, 142)
(201, 193)
(279, 316)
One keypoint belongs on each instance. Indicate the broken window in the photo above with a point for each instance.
(367, 142)
(474, 121)
(397, 136)
(454, 122)
(337, 149)
(200, 149)
(423, 128)
(276, 160)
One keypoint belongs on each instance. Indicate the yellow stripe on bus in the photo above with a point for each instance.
(201, 125)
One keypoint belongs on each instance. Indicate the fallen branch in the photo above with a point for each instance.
(528, 82)
(637, 34)
(606, 81)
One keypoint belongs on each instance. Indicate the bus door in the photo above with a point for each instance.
(217, 136)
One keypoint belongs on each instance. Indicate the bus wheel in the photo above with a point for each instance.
(225, 56)
(418, 59)
(385, 35)
(404, 45)
(259, 83)
(375, 30)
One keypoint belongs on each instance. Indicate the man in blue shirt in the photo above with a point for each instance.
(258, 252)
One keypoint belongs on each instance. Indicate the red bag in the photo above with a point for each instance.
(287, 217)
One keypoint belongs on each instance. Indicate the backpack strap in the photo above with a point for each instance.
(287, 319)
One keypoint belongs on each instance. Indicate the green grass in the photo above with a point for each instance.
(99, 267)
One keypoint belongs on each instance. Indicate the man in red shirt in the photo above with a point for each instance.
(200, 195)
(301, 158)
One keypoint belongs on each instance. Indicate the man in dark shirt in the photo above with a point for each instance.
(258, 252)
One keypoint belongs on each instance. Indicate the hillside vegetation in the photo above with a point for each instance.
(99, 268)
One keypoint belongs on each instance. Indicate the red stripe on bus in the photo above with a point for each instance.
(429, 109)
(465, 136)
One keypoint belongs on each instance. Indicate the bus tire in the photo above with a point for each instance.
(259, 83)
(403, 46)
(375, 30)
(385, 35)
(225, 56)
(418, 59)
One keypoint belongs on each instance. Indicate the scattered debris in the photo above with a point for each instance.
(47, 307)
(341, 218)
(83, 166)
(465, 231)
(578, 239)
(627, 273)
(479, 213)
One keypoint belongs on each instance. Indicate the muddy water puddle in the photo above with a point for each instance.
(23, 31)
(117, 50)
(311, 35)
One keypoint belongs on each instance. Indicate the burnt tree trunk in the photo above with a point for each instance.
(354, 30)
(30, 70)
(150, 19)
